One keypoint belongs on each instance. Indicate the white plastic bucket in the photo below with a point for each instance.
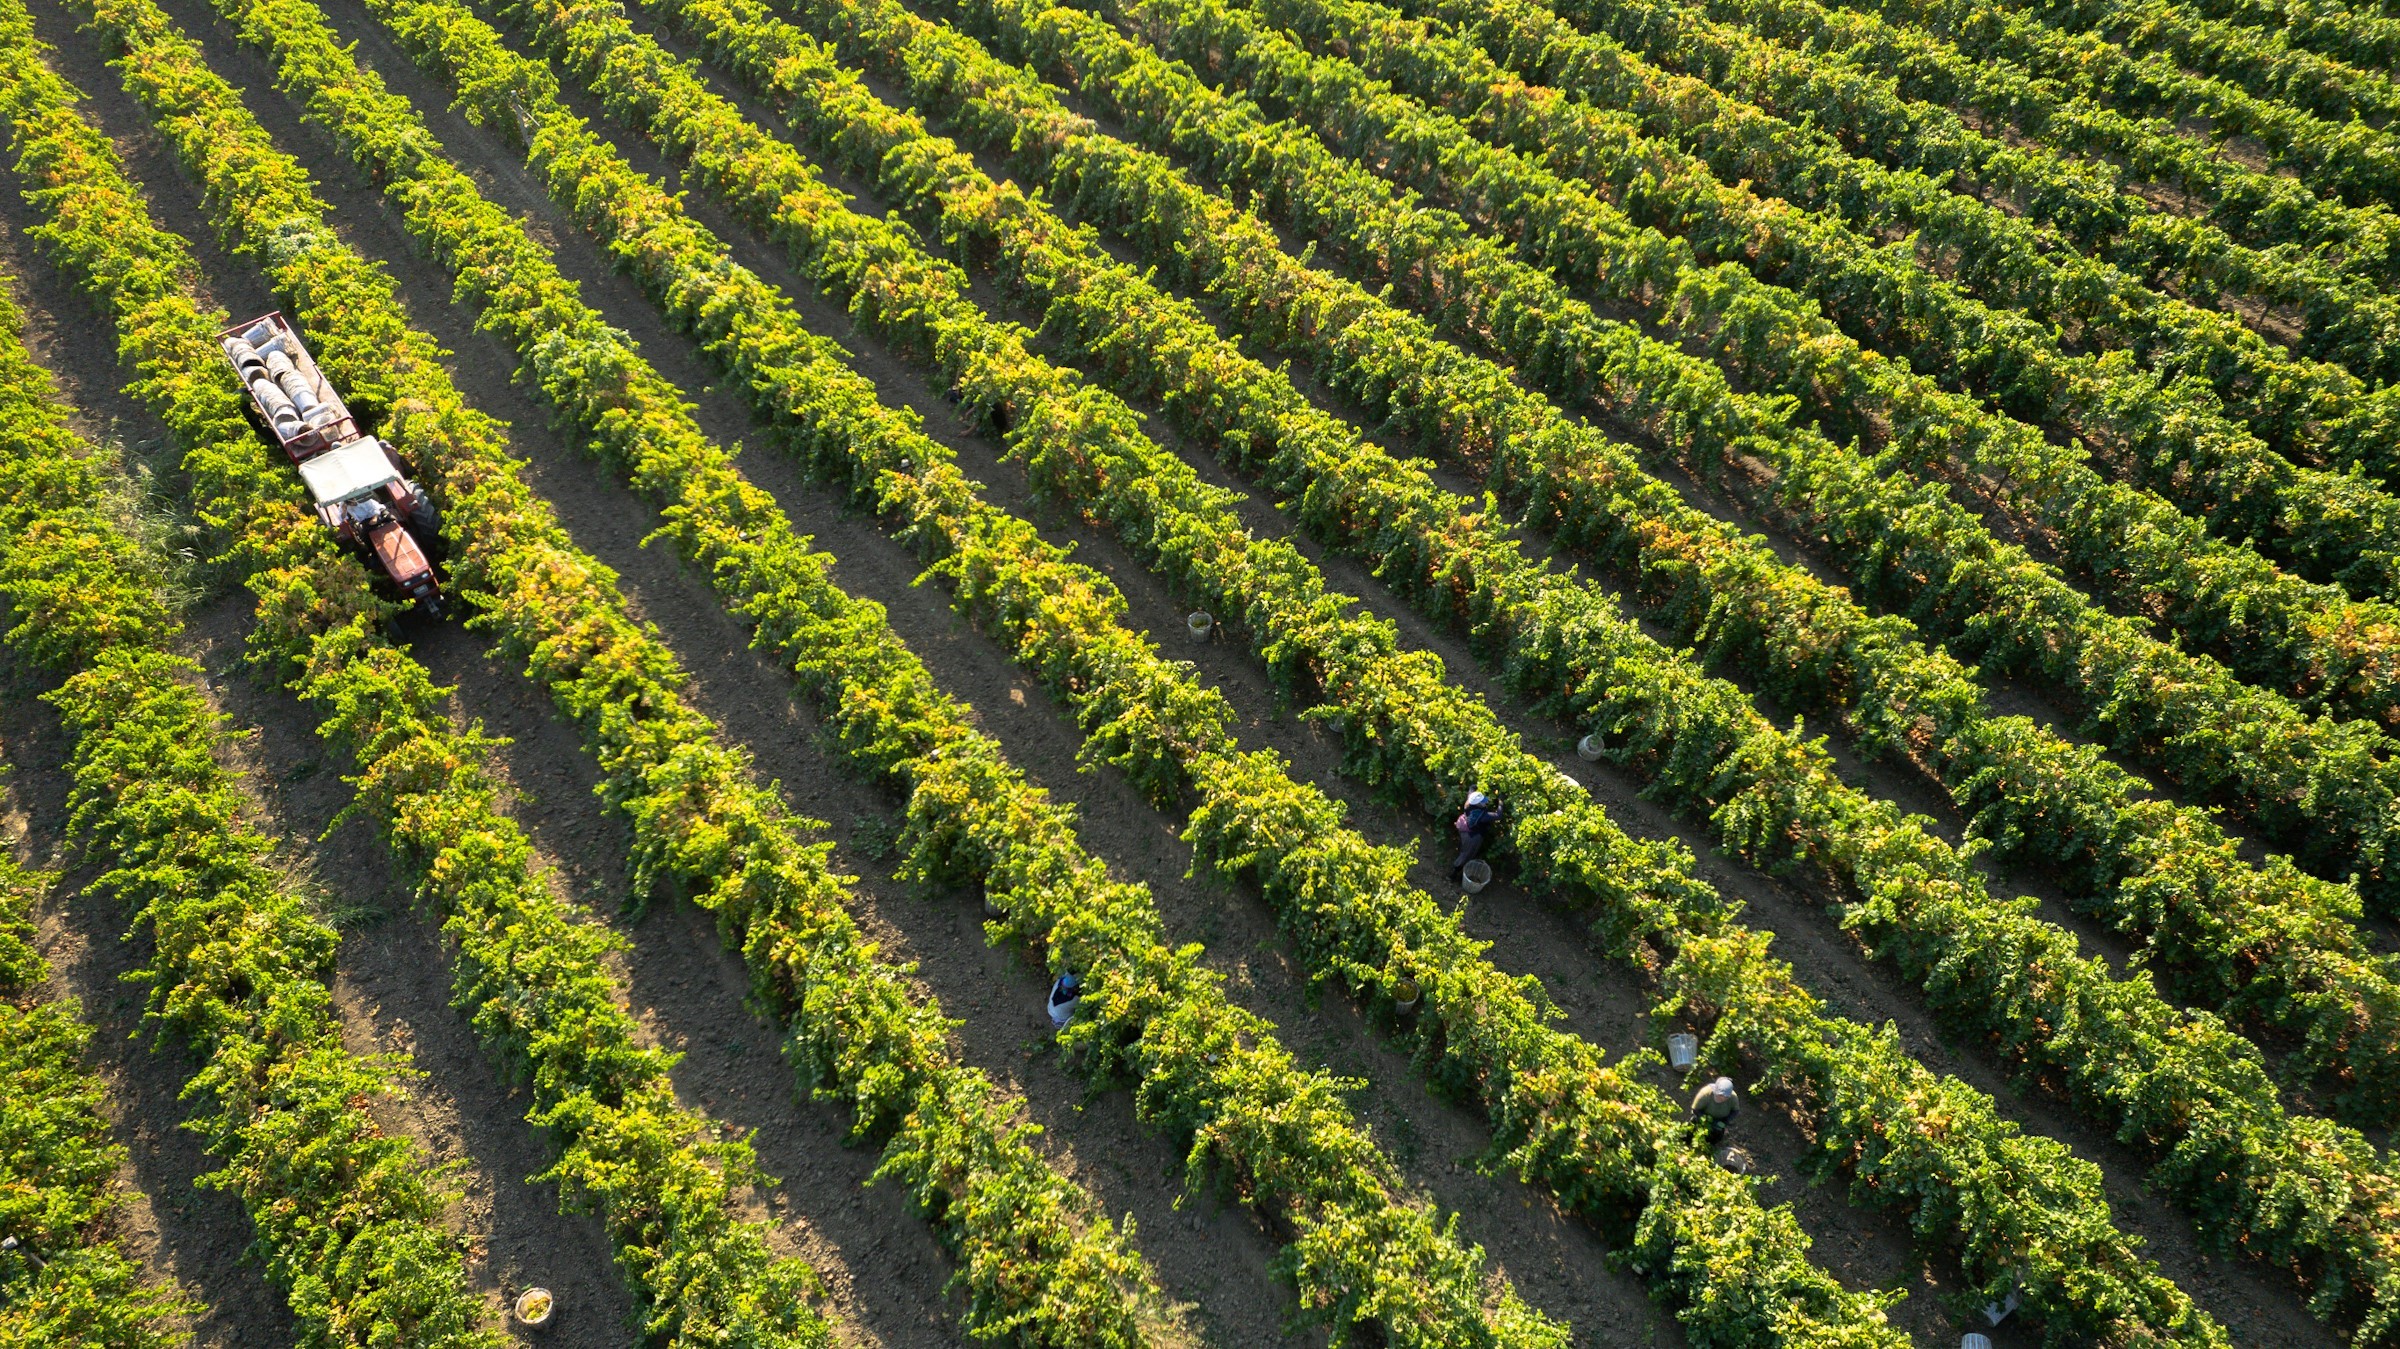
(1683, 1050)
(1737, 1160)
(1407, 997)
(534, 1308)
(1590, 750)
(1474, 876)
(1996, 1312)
(991, 907)
(1974, 1339)
(1199, 625)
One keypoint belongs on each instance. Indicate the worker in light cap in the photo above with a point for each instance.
(1476, 826)
(1716, 1104)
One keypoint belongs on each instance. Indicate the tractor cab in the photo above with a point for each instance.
(362, 497)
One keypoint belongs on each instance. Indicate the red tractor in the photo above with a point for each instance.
(358, 487)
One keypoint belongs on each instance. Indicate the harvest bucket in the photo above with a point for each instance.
(1199, 625)
(1974, 1340)
(1738, 1161)
(1475, 875)
(534, 1308)
(991, 907)
(1406, 997)
(1683, 1050)
(1996, 1312)
(1589, 749)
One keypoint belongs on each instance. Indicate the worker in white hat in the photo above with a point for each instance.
(1717, 1103)
(1477, 825)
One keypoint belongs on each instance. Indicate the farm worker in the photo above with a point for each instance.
(1717, 1103)
(1064, 995)
(1476, 825)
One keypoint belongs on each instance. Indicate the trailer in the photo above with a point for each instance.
(356, 483)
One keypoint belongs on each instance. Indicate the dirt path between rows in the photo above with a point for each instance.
(879, 1259)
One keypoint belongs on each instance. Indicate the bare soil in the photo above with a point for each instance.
(1550, 947)
(884, 1270)
(184, 1235)
(391, 981)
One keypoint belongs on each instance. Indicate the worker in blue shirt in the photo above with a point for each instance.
(1065, 995)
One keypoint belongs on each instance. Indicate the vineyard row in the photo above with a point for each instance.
(2133, 546)
(2315, 785)
(1329, 1180)
(2004, 767)
(2157, 412)
(769, 195)
(532, 978)
(66, 1278)
(579, 167)
(2355, 161)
